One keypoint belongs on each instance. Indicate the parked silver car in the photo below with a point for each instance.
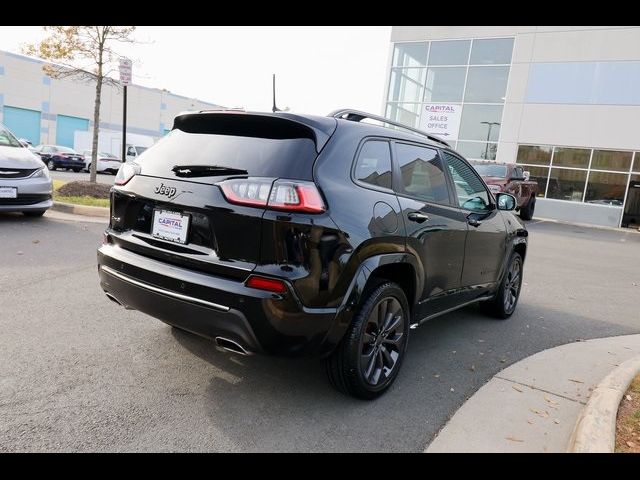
(25, 183)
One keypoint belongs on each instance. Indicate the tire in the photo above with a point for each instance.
(34, 213)
(51, 165)
(526, 213)
(347, 366)
(77, 170)
(502, 306)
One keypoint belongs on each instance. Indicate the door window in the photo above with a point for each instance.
(422, 173)
(471, 193)
(518, 173)
(374, 164)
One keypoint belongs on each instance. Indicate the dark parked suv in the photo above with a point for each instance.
(301, 235)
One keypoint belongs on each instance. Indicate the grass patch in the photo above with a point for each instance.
(627, 423)
(84, 200)
(81, 193)
(57, 183)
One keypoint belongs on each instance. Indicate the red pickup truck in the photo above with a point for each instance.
(510, 178)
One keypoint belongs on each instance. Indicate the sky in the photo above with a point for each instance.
(318, 69)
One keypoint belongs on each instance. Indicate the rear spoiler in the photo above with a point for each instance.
(256, 124)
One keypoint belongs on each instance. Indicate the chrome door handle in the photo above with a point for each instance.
(417, 217)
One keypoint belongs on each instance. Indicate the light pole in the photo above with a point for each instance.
(486, 146)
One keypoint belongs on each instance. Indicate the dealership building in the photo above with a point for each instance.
(48, 110)
(564, 102)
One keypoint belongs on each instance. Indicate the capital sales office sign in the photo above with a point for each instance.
(441, 119)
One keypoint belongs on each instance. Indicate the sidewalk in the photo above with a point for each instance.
(533, 405)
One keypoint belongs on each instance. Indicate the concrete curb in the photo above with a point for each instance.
(583, 225)
(81, 209)
(595, 430)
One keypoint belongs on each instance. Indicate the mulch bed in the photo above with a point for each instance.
(628, 424)
(82, 189)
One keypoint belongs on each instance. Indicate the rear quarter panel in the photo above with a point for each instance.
(368, 220)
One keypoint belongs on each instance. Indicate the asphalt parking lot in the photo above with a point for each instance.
(79, 373)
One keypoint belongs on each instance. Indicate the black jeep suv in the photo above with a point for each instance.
(302, 235)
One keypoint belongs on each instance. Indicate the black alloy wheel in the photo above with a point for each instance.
(368, 359)
(381, 342)
(506, 299)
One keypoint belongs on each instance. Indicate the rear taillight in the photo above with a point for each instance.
(267, 284)
(247, 191)
(285, 195)
(126, 172)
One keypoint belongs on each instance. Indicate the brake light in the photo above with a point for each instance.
(296, 197)
(286, 195)
(266, 284)
(126, 172)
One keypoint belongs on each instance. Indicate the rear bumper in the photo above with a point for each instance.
(69, 164)
(211, 306)
(201, 317)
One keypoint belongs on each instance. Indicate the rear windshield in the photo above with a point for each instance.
(491, 170)
(261, 157)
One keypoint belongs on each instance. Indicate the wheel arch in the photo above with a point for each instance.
(400, 268)
(520, 248)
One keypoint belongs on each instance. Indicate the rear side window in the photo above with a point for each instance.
(374, 164)
(423, 176)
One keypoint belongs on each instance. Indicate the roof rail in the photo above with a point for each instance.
(357, 116)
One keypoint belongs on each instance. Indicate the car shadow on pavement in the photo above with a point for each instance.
(277, 404)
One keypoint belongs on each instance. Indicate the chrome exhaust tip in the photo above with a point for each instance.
(231, 346)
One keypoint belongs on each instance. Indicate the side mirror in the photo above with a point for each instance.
(506, 201)
(526, 176)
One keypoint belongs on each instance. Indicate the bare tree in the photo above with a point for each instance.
(90, 49)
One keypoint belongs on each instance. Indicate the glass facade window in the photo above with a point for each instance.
(445, 84)
(406, 84)
(491, 51)
(584, 83)
(406, 113)
(592, 176)
(540, 175)
(534, 154)
(468, 77)
(481, 150)
(412, 54)
(606, 188)
(571, 157)
(480, 122)
(454, 52)
(486, 84)
(566, 184)
(636, 163)
(611, 160)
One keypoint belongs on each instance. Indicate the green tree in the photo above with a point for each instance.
(84, 52)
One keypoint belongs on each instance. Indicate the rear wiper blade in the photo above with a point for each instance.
(205, 171)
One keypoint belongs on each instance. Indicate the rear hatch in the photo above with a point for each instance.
(174, 208)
